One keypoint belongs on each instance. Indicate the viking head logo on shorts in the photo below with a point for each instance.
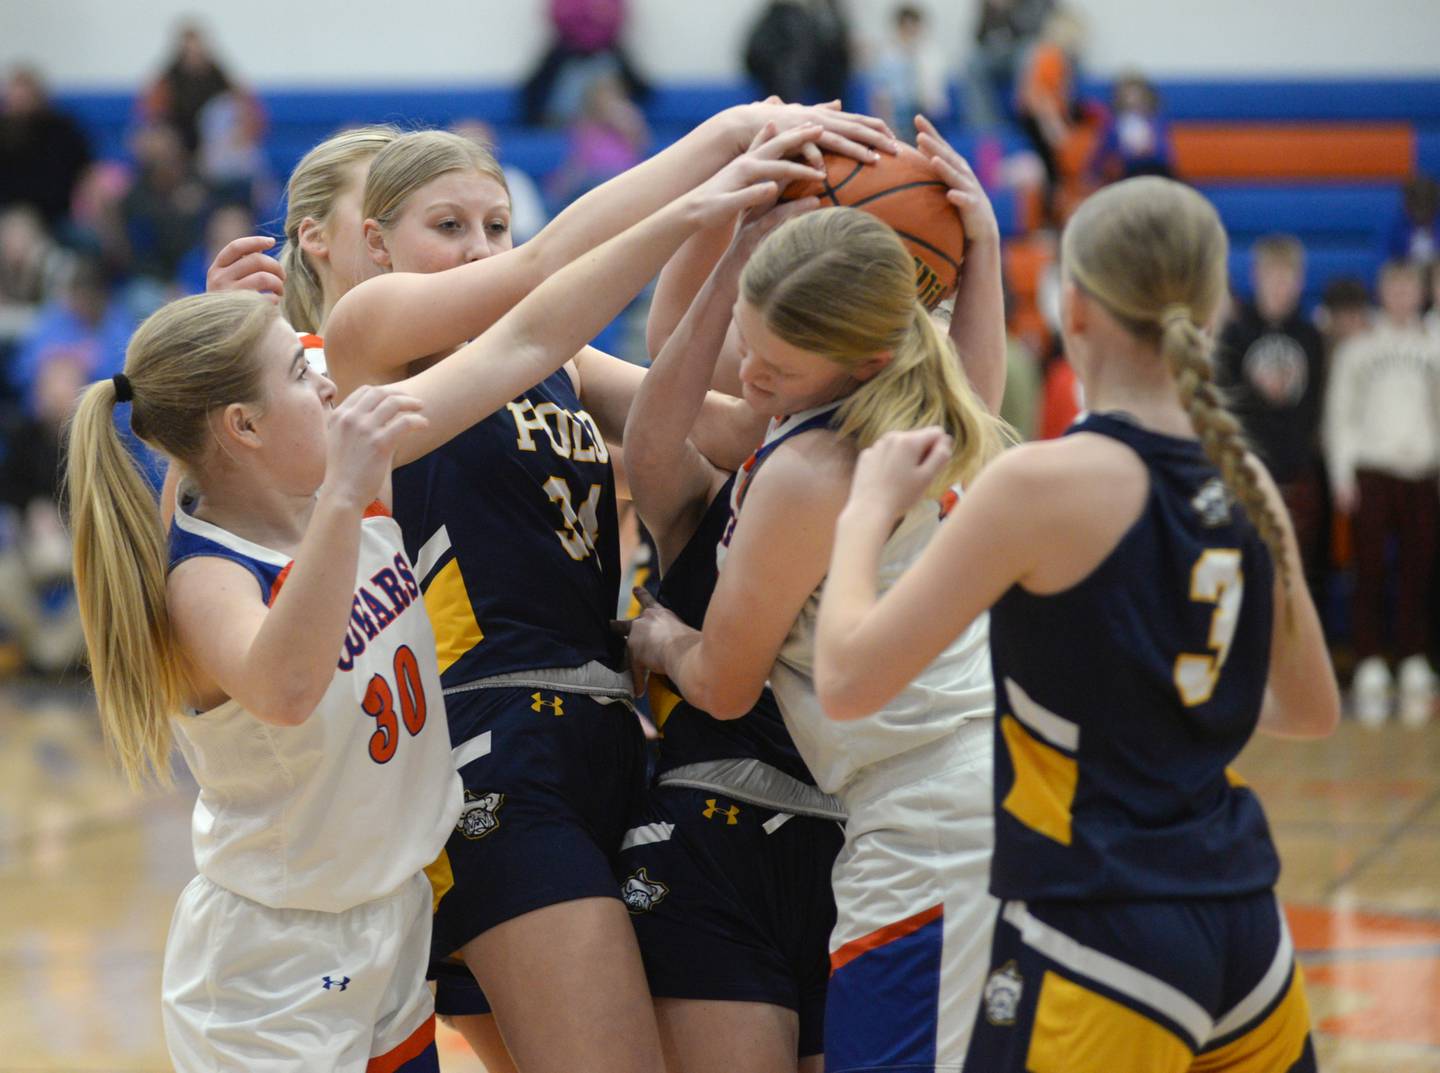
(480, 816)
(1002, 994)
(641, 893)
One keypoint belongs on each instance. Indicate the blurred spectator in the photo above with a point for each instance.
(1344, 311)
(610, 137)
(1045, 97)
(42, 150)
(37, 603)
(164, 209)
(527, 206)
(1136, 137)
(231, 159)
(226, 223)
(1004, 29)
(586, 45)
(33, 267)
(85, 326)
(908, 76)
(1021, 403)
(799, 50)
(1415, 235)
(191, 78)
(1382, 431)
(97, 218)
(1271, 360)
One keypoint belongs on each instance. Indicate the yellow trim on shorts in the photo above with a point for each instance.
(1275, 1043)
(1077, 1030)
(1045, 779)
(663, 699)
(452, 615)
(441, 878)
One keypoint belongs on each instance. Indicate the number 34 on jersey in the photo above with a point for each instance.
(574, 436)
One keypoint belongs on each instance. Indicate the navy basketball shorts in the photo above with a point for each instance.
(551, 778)
(731, 902)
(1143, 987)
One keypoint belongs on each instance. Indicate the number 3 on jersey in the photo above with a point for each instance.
(1215, 579)
(582, 525)
(379, 704)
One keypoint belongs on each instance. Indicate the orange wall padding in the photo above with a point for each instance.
(1294, 150)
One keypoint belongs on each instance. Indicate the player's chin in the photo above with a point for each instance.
(763, 402)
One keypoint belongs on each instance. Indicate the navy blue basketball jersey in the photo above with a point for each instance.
(1123, 700)
(511, 526)
(689, 735)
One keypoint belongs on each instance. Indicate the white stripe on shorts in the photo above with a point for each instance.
(473, 749)
(644, 836)
(1276, 978)
(1113, 973)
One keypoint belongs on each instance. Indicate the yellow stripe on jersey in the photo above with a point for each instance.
(1275, 1043)
(1234, 778)
(441, 878)
(1045, 779)
(663, 699)
(452, 615)
(1077, 1030)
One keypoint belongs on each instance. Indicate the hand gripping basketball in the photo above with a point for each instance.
(755, 178)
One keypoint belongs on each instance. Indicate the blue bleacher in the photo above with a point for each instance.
(1343, 224)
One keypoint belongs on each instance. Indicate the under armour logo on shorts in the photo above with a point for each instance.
(339, 985)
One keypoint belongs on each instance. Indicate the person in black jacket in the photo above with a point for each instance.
(42, 150)
(799, 50)
(1271, 359)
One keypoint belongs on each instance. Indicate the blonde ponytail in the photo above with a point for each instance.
(1153, 253)
(839, 283)
(192, 356)
(120, 565)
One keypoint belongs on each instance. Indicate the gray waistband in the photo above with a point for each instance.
(593, 678)
(758, 783)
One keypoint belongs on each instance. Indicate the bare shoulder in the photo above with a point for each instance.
(200, 585)
(812, 467)
(1083, 465)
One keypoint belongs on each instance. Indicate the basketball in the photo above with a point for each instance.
(903, 191)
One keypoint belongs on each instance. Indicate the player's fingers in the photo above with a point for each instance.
(235, 249)
(621, 626)
(835, 142)
(755, 196)
(787, 143)
(782, 171)
(813, 156)
(644, 597)
(260, 281)
(763, 135)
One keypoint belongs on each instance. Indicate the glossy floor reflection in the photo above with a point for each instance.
(89, 874)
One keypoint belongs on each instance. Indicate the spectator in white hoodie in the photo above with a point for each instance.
(1382, 426)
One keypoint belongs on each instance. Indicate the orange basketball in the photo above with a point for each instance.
(904, 192)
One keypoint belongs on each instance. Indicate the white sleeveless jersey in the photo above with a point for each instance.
(346, 807)
(956, 687)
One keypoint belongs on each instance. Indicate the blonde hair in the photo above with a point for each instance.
(838, 282)
(190, 357)
(414, 159)
(314, 185)
(1153, 253)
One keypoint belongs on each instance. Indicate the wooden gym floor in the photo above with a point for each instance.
(89, 874)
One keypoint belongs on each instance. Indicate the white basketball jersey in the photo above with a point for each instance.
(957, 686)
(347, 806)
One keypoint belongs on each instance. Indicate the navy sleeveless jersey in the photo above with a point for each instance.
(1123, 699)
(511, 526)
(689, 735)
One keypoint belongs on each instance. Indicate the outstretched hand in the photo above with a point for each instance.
(755, 178)
(244, 265)
(965, 193)
(851, 134)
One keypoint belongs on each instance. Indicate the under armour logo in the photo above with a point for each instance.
(730, 814)
(556, 703)
(339, 985)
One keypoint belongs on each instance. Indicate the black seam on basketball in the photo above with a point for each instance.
(908, 237)
(838, 186)
(897, 190)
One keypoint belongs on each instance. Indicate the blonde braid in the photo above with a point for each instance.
(1185, 349)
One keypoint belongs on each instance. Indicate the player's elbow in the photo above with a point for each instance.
(286, 705)
(727, 696)
(841, 698)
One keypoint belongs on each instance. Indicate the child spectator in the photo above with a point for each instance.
(1136, 137)
(610, 137)
(1272, 360)
(1344, 311)
(908, 77)
(1382, 426)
